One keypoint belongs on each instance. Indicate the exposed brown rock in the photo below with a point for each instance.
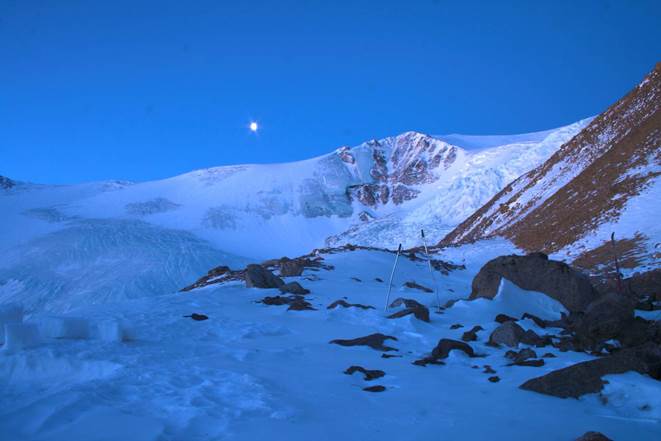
(413, 285)
(368, 374)
(345, 304)
(472, 334)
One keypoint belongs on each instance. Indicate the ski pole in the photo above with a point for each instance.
(399, 250)
(431, 271)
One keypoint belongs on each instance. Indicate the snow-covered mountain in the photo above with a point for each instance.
(607, 179)
(159, 236)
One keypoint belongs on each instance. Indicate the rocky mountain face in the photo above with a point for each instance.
(604, 180)
(397, 165)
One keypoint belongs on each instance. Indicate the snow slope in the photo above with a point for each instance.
(100, 242)
(253, 371)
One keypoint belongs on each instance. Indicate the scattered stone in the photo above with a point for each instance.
(522, 355)
(368, 374)
(511, 334)
(456, 326)
(548, 355)
(374, 341)
(256, 276)
(377, 388)
(294, 288)
(584, 378)
(472, 334)
(593, 436)
(535, 272)
(488, 369)
(345, 304)
(290, 268)
(538, 321)
(494, 379)
(413, 285)
(379, 279)
(502, 318)
(530, 363)
(390, 356)
(428, 360)
(356, 279)
(411, 307)
(296, 303)
(197, 317)
(445, 345)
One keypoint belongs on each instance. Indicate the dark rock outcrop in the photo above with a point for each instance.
(420, 311)
(511, 334)
(257, 276)
(413, 285)
(294, 288)
(290, 268)
(593, 436)
(472, 334)
(368, 374)
(296, 303)
(586, 377)
(522, 355)
(377, 388)
(535, 272)
(502, 318)
(374, 341)
(345, 304)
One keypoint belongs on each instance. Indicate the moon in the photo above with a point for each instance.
(253, 126)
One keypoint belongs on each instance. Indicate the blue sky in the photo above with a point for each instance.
(141, 90)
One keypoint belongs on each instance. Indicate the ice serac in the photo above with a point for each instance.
(605, 180)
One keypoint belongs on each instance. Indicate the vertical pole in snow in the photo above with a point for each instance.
(399, 250)
(617, 265)
(431, 270)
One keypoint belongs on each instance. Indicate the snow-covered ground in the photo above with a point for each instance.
(136, 369)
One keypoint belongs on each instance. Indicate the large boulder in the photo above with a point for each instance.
(257, 276)
(290, 268)
(535, 272)
(586, 377)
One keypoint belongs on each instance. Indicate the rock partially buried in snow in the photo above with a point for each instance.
(294, 288)
(593, 436)
(511, 334)
(374, 341)
(345, 304)
(586, 377)
(420, 311)
(443, 349)
(413, 285)
(535, 272)
(197, 317)
(377, 388)
(257, 276)
(290, 268)
(472, 334)
(368, 374)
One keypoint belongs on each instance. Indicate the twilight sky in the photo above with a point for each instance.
(141, 90)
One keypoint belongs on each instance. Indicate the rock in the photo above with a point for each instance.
(538, 321)
(585, 378)
(296, 303)
(472, 334)
(548, 355)
(294, 288)
(488, 370)
(530, 363)
(522, 355)
(368, 374)
(390, 356)
(378, 279)
(511, 334)
(377, 388)
(414, 285)
(445, 345)
(647, 284)
(197, 317)
(257, 276)
(345, 304)
(536, 272)
(494, 379)
(290, 268)
(374, 341)
(502, 318)
(356, 279)
(412, 307)
(605, 318)
(593, 436)
(456, 326)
